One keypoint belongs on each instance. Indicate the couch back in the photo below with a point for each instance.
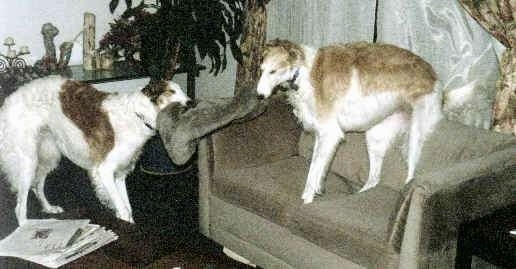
(452, 142)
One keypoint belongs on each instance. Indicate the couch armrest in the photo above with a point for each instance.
(439, 201)
(467, 191)
(272, 136)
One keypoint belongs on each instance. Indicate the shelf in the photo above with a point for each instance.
(120, 71)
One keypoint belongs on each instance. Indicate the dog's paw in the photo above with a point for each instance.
(126, 217)
(53, 209)
(308, 197)
(319, 191)
(22, 221)
(308, 200)
(367, 186)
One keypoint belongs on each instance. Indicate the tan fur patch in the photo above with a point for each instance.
(81, 103)
(381, 67)
(287, 52)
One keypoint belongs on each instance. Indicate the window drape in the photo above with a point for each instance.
(463, 54)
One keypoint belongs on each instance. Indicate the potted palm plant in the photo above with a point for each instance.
(170, 33)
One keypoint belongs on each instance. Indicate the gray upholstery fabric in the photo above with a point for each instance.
(351, 160)
(268, 191)
(266, 243)
(268, 138)
(354, 226)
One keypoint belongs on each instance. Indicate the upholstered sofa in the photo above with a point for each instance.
(252, 175)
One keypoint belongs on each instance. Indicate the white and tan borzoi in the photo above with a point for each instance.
(100, 132)
(379, 89)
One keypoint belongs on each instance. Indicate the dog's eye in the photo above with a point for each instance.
(272, 72)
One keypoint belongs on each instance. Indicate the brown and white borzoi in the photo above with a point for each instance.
(100, 132)
(354, 87)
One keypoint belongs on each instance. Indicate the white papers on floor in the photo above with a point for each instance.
(53, 242)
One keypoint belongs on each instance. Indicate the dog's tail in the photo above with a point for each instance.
(469, 104)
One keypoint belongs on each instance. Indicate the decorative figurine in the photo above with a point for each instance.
(49, 32)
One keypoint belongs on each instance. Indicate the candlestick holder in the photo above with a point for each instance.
(12, 60)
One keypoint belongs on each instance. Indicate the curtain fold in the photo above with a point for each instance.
(463, 54)
(498, 17)
(319, 23)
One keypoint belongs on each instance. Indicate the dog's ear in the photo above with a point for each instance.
(154, 89)
(275, 43)
(294, 52)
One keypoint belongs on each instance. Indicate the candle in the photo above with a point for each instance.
(24, 50)
(9, 41)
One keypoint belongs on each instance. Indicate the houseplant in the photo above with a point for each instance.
(168, 33)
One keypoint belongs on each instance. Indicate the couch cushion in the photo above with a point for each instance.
(351, 160)
(353, 226)
(268, 138)
(452, 142)
(271, 190)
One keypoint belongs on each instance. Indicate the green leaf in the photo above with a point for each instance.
(476, 3)
(129, 3)
(112, 5)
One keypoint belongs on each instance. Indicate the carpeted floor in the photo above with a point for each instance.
(165, 211)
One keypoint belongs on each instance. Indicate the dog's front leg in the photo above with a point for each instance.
(122, 188)
(325, 145)
(108, 192)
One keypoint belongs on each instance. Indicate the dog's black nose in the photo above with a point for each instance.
(191, 104)
(260, 96)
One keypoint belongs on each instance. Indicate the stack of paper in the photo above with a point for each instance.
(53, 242)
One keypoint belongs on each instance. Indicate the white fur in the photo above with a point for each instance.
(34, 134)
(381, 115)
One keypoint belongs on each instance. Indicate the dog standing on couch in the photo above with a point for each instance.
(100, 132)
(378, 89)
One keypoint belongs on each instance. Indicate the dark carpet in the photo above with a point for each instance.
(165, 210)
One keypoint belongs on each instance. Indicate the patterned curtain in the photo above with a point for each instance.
(498, 18)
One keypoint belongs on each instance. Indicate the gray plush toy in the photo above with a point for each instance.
(181, 128)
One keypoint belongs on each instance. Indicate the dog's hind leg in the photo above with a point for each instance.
(326, 142)
(48, 159)
(379, 139)
(23, 189)
(18, 156)
(23, 172)
(426, 113)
